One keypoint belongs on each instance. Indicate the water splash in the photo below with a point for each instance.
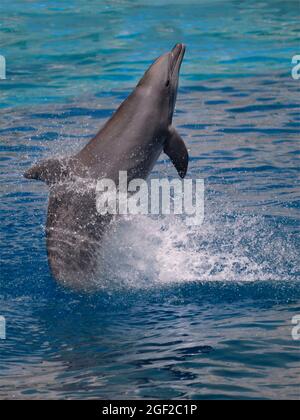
(144, 252)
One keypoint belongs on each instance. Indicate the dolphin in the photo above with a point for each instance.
(132, 140)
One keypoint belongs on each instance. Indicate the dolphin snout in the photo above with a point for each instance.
(178, 49)
(177, 55)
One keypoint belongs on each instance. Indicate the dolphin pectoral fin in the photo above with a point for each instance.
(49, 171)
(177, 152)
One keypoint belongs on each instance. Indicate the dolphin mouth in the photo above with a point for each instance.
(177, 55)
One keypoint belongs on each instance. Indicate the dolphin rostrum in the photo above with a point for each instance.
(131, 141)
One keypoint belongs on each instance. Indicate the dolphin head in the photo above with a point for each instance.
(162, 78)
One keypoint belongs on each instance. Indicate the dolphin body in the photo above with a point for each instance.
(132, 141)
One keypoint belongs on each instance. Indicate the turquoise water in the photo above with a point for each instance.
(180, 312)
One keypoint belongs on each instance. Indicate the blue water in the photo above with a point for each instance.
(179, 312)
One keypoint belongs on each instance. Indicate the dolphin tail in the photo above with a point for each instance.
(49, 171)
(177, 152)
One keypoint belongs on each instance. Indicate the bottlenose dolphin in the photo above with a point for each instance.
(132, 141)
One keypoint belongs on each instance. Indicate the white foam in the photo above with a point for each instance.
(142, 252)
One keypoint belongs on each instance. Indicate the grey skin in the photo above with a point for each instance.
(132, 140)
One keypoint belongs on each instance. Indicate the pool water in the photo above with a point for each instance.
(179, 312)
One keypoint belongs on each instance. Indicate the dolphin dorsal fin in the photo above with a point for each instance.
(177, 152)
(50, 171)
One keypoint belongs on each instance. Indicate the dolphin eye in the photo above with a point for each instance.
(168, 83)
